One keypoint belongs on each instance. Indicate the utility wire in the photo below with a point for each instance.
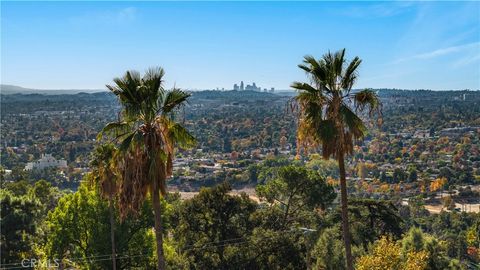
(105, 257)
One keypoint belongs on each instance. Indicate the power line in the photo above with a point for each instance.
(105, 257)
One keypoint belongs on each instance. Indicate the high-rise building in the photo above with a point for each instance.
(248, 87)
(252, 87)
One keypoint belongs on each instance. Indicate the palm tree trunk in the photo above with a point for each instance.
(344, 200)
(158, 228)
(112, 233)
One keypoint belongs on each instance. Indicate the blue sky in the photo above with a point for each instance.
(204, 45)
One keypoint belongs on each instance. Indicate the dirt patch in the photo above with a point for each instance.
(185, 195)
(469, 208)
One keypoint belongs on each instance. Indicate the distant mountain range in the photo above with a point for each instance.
(13, 89)
(7, 89)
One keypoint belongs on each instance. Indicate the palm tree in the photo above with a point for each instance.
(104, 175)
(147, 135)
(327, 114)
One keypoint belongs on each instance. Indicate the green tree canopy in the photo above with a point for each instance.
(79, 233)
(295, 190)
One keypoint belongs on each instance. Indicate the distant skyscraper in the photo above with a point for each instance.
(248, 87)
(252, 87)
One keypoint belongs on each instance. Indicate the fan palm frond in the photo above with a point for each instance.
(367, 100)
(173, 100)
(147, 134)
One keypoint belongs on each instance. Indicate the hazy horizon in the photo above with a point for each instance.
(195, 89)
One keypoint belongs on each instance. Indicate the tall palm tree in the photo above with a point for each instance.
(104, 175)
(330, 116)
(147, 135)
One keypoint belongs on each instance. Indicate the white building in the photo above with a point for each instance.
(420, 134)
(46, 161)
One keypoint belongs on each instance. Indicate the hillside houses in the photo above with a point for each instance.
(46, 161)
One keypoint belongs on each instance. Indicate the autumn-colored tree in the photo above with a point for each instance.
(384, 188)
(386, 254)
(438, 184)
